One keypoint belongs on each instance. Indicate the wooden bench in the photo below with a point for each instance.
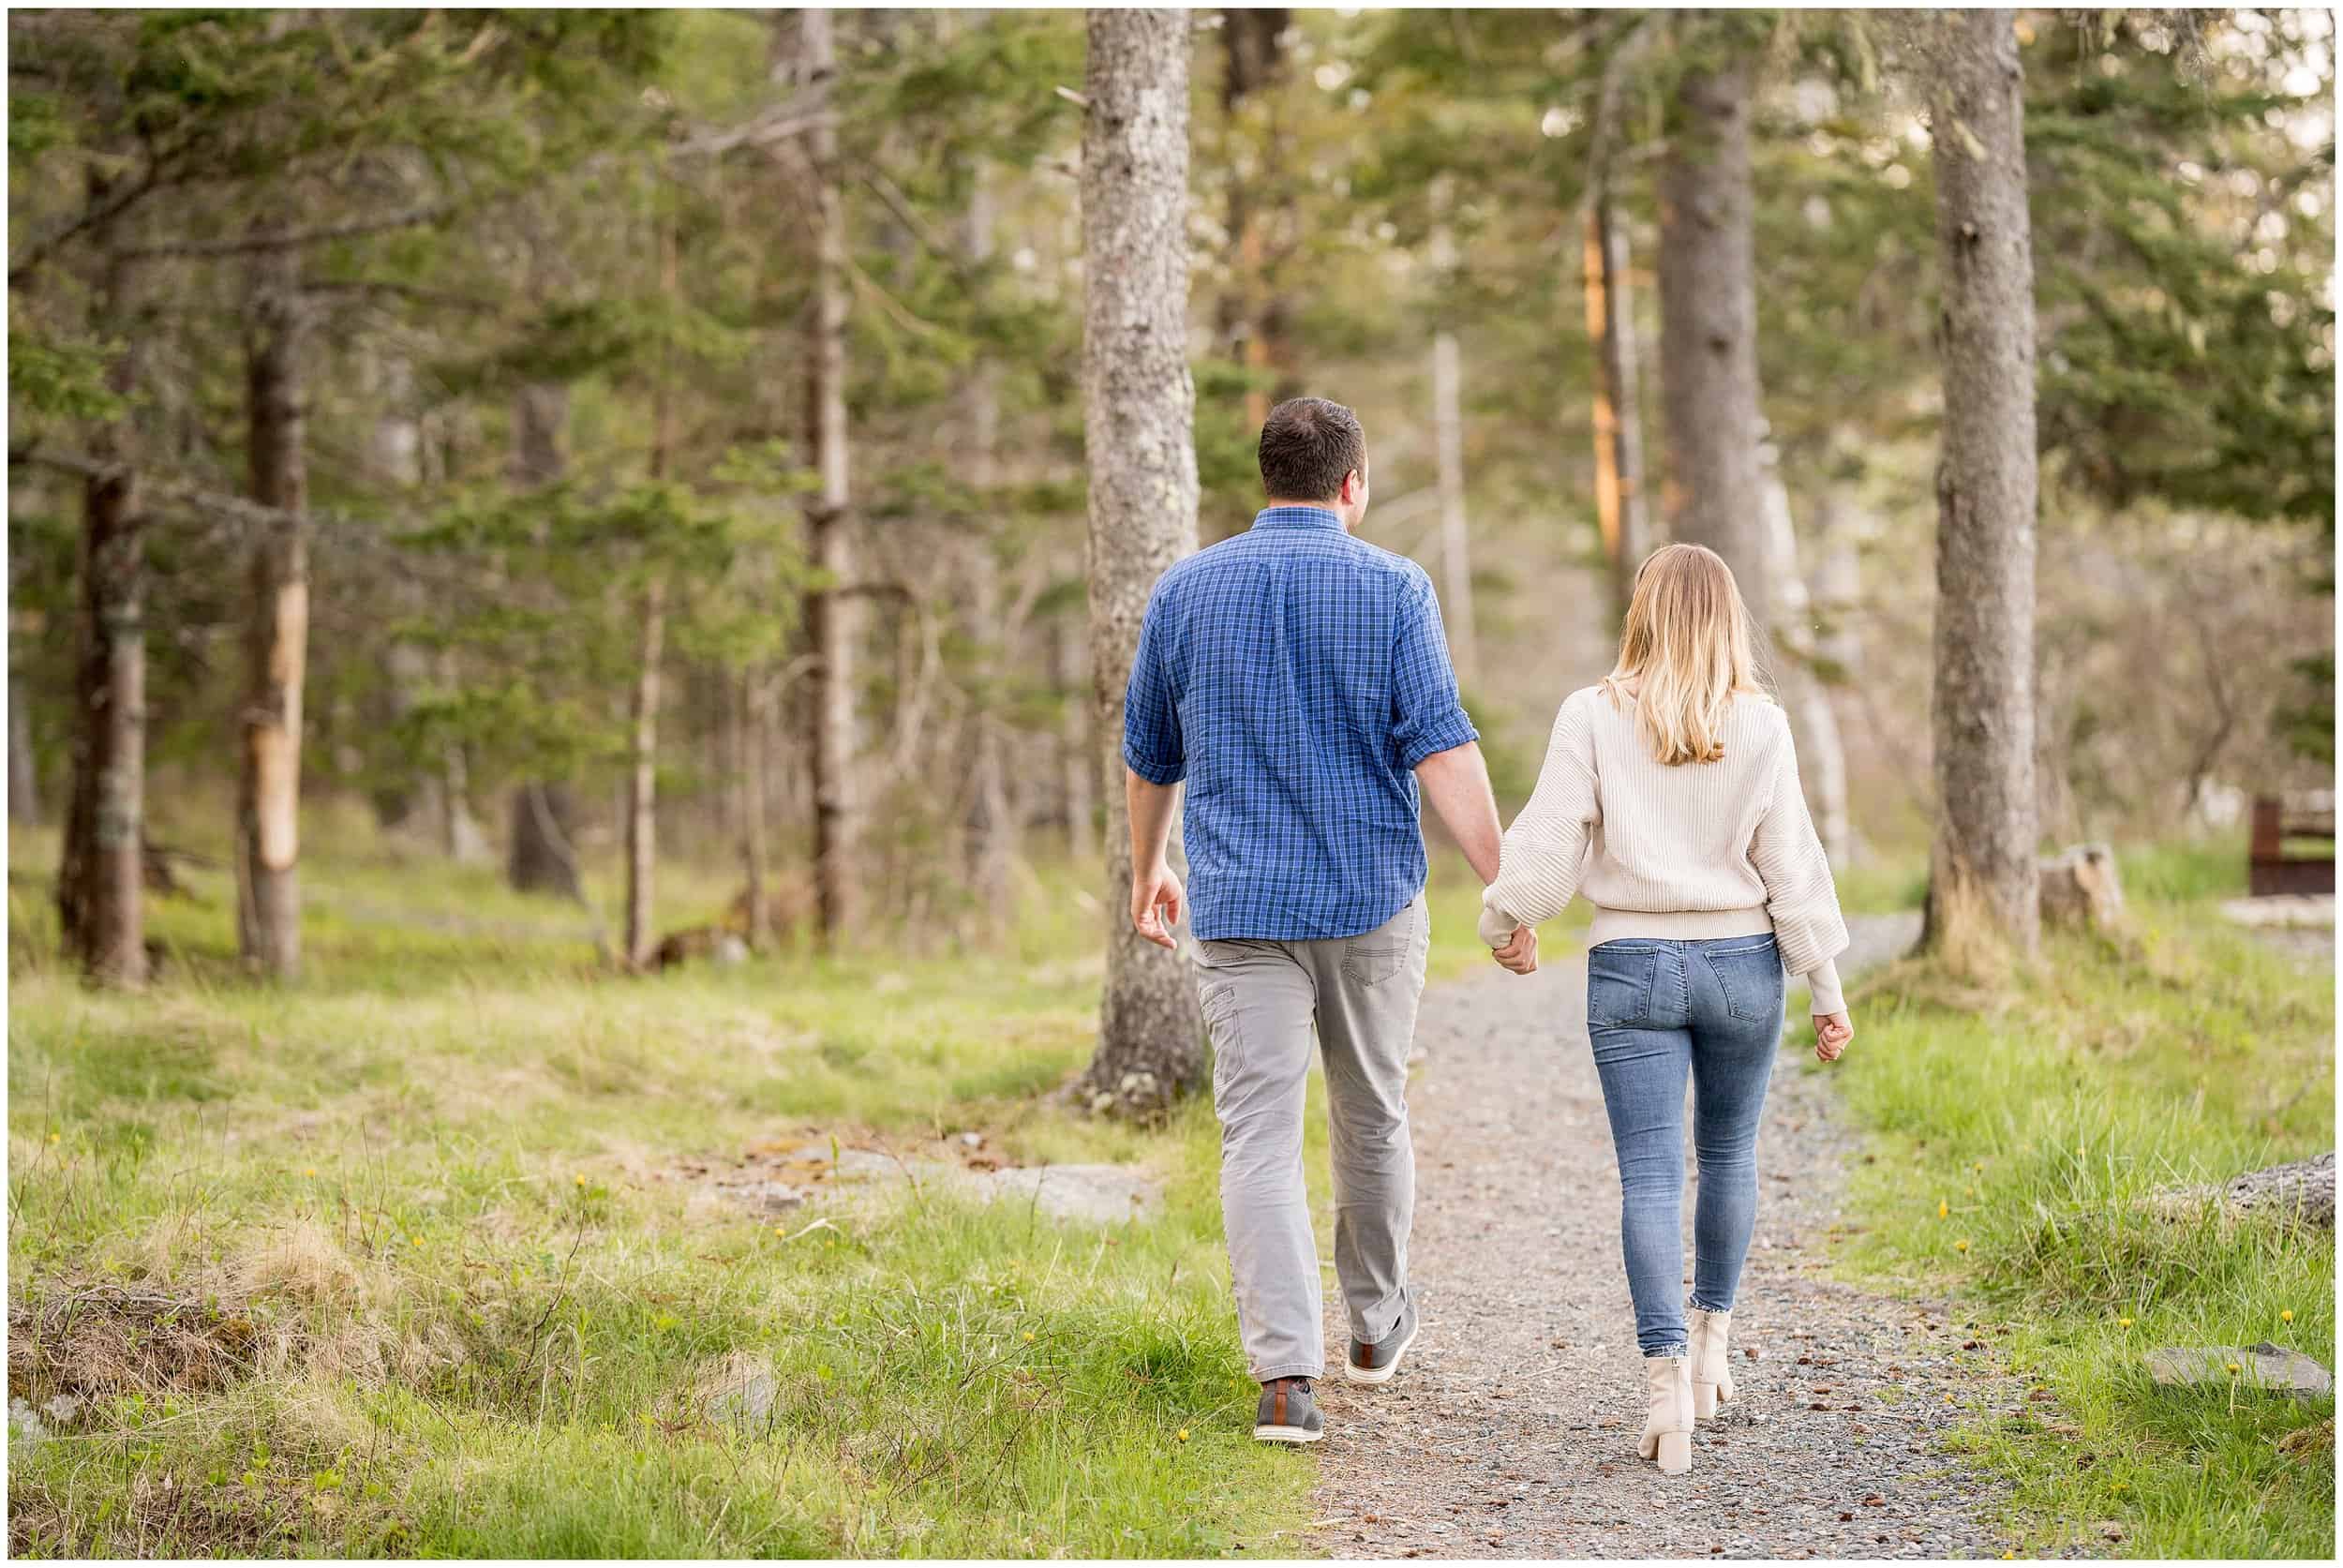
(2294, 845)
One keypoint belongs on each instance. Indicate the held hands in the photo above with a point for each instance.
(1157, 897)
(1520, 951)
(1832, 1030)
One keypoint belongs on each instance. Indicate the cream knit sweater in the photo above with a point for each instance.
(1707, 849)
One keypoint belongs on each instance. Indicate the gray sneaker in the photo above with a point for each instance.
(1375, 1364)
(1288, 1412)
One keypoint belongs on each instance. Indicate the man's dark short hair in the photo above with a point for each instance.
(1307, 446)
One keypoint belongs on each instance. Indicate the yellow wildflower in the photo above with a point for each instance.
(2123, 1323)
(2287, 1316)
(1944, 1210)
(1182, 1434)
(1962, 1245)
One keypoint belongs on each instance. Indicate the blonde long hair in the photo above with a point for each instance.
(1683, 655)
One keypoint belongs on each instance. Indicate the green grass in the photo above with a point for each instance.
(2042, 1121)
(410, 1258)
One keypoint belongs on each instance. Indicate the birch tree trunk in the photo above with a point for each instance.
(1138, 409)
(1708, 329)
(1619, 483)
(101, 875)
(1983, 883)
(831, 617)
(276, 637)
(1455, 544)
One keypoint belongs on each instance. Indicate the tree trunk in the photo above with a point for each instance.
(1708, 330)
(1253, 313)
(24, 779)
(642, 784)
(1455, 559)
(277, 635)
(101, 875)
(1078, 757)
(755, 733)
(991, 827)
(543, 858)
(1805, 696)
(429, 801)
(1983, 881)
(831, 621)
(1138, 414)
(1838, 584)
(642, 821)
(1619, 485)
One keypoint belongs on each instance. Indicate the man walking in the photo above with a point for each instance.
(1297, 679)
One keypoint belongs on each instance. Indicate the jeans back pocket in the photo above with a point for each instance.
(1619, 984)
(1751, 978)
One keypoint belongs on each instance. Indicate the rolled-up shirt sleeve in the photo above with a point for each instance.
(1428, 714)
(1152, 743)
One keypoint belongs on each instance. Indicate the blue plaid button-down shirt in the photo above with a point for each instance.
(1294, 677)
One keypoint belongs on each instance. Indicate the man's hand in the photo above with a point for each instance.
(1520, 951)
(1832, 1030)
(1156, 899)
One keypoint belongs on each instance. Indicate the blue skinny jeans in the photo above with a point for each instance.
(1658, 1011)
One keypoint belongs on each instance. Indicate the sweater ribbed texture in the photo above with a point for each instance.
(1672, 852)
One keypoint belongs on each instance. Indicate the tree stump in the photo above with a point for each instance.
(2082, 888)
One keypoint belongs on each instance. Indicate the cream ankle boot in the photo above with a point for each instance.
(1667, 1432)
(1712, 1370)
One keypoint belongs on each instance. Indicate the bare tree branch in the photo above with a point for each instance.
(94, 217)
(295, 238)
(810, 112)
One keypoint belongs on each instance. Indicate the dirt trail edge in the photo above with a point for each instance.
(1511, 1429)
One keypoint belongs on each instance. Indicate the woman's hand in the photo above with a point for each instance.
(1832, 1030)
(1520, 951)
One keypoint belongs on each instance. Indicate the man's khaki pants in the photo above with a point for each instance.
(1265, 1002)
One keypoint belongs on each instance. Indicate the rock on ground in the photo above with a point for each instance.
(770, 1181)
(1100, 1193)
(2260, 1368)
(1511, 1429)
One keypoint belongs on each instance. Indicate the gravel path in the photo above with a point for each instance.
(1510, 1430)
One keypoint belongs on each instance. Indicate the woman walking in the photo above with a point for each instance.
(1670, 798)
